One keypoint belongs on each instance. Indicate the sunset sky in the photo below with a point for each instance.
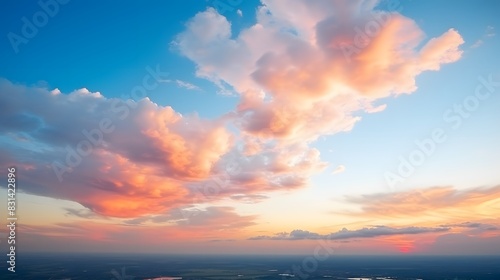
(255, 127)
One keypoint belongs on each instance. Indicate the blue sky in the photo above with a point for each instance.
(106, 47)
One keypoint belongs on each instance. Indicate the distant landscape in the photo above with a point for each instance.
(138, 267)
(250, 139)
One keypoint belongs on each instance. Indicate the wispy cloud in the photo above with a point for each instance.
(445, 206)
(249, 198)
(477, 44)
(338, 169)
(432, 201)
(488, 33)
(183, 84)
(222, 217)
(474, 225)
(372, 109)
(82, 213)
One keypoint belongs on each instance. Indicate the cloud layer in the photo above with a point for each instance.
(348, 234)
(435, 202)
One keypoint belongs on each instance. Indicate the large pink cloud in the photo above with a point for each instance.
(116, 159)
(305, 69)
(134, 158)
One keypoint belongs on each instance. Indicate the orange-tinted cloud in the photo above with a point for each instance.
(145, 159)
(447, 202)
(304, 69)
(472, 213)
(118, 159)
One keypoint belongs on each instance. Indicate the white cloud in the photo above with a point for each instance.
(339, 169)
(183, 84)
(488, 33)
(477, 44)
